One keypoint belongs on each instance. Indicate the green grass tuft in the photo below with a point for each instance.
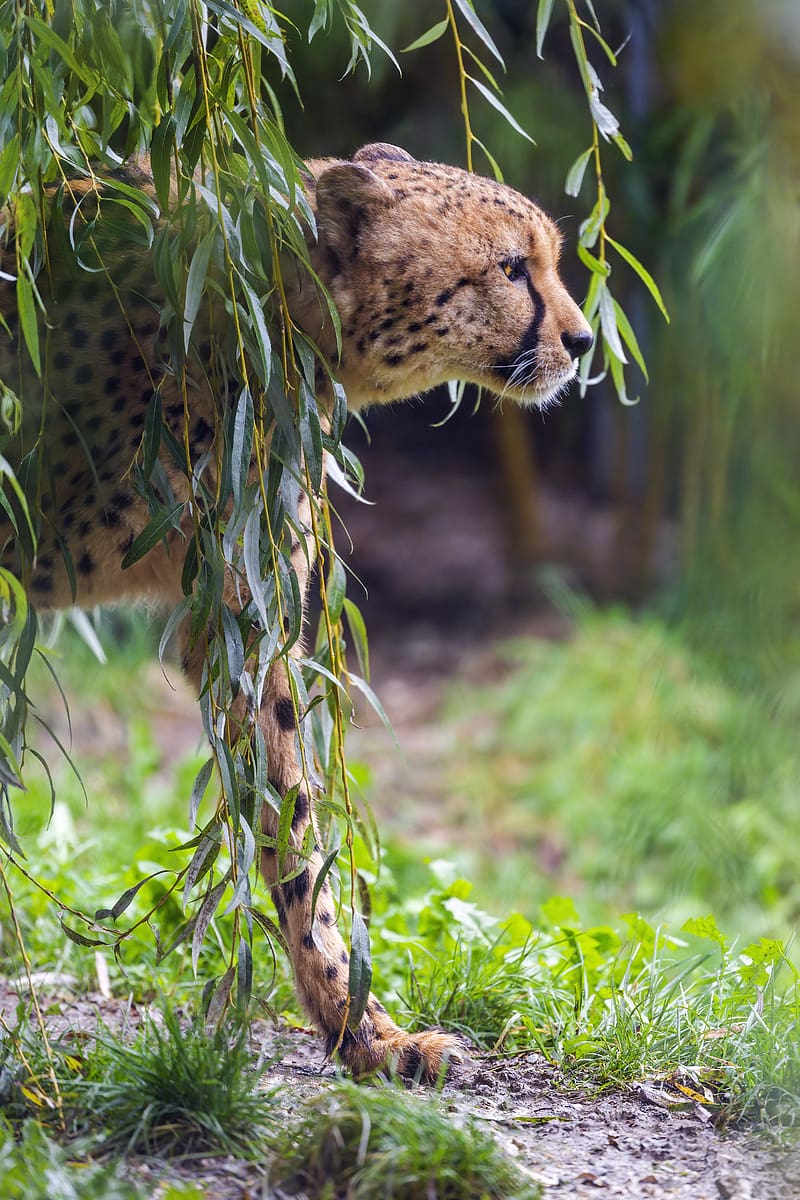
(365, 1143)
(177, 1092)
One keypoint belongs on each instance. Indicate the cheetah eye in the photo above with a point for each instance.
(515, 270)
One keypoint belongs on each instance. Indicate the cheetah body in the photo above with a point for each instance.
(436, 275)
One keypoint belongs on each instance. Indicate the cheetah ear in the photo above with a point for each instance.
(349, 186)
(377, 151)
(346, 194)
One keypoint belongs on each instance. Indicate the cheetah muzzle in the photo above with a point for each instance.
(437, 275)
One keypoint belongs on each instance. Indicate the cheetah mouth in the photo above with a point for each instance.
(542, 389)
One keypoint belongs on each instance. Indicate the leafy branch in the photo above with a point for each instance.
(491, 93)
(601, 309)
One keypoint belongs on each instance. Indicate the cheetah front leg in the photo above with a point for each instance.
(319, 956)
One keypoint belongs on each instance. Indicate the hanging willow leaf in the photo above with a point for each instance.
(496, 103)
(153, 532)
(643, 273)
(431, 35)
(360, 976)
(543, 15)
(576, 173)
(467, 10)
(204, 917)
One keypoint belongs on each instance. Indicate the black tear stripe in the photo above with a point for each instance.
(530, 339)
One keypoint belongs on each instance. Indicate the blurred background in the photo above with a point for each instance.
(636, 744)
(584, 624)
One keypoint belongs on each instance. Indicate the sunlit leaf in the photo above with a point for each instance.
(467, 10)
(431, 35)
(543, 14)
(496, 103)
(642, 272)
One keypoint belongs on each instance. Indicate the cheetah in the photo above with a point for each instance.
(437, 274)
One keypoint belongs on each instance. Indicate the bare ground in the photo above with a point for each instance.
(639, 1143)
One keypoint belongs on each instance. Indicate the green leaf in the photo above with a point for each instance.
(358, 634)
(126, 899)
(618, 375)
(9, 162)
(80, 939)
(575, 174)
(595, 265)
(27, 319)
(561, 912)
(151, 441)
(431, 35)
(207, 910)
(50, 38)
(493, 163)
(360, 979)
(9, 767)
(705, 927)
(202, 860)
(465, 7)
(242, 446)
(195, 284)
(608, 324)
(495, 102)
(367, 691)
(543, 15)
(609, 53)
(642, 272)
(161, 150)
(152, 533)
(629, 338)
(199, 789)
(336, 587)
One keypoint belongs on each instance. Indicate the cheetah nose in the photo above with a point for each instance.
(577, 344)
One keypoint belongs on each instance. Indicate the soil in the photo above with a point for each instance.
(640, 1143)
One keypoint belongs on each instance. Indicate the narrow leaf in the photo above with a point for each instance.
(204, 917)
(575, 174)
(431, 35)
(152, 533)
(543, 15)
(465, 7)
(495, 102)
(643, 273)
(629, 338)
(608, 324)
(360, 979)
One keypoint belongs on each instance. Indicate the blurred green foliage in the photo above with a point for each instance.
(621, 768)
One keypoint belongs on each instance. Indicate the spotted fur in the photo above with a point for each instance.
(436, 275)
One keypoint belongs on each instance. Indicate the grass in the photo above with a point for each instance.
(37, 1168)
(609, 1005)
(176, 1092)
(619, 768)
(650, 776)
(369, 1143)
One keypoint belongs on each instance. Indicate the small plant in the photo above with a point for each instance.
(611, 1006)
(177, 1092)
(36, 1168)
(361, 1143)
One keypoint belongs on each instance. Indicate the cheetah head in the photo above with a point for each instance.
(437, 274)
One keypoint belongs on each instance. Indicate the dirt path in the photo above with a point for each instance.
(628, 1144)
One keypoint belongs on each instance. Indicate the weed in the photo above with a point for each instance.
(177, 1092)
(613, 1007)
(370, 1142)
(36, 1168)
